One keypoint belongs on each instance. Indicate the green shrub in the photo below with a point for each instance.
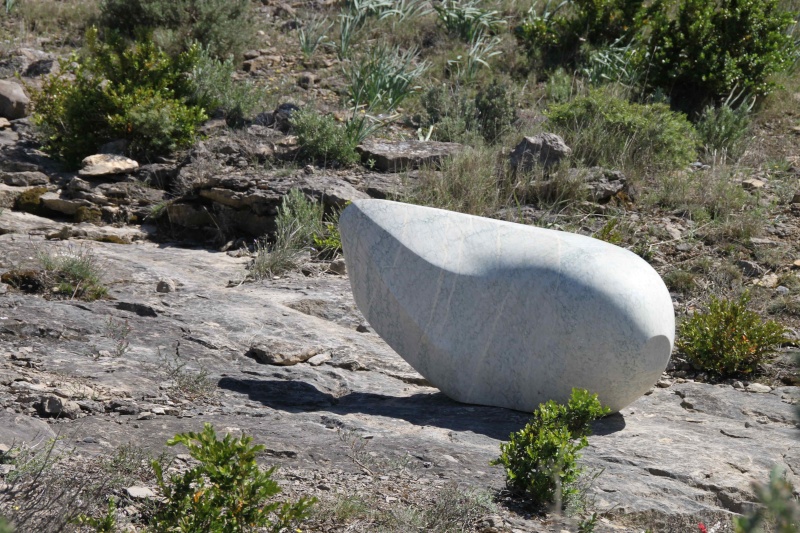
(72, 272)
(323, 140)
(703, 52)
(722, 129)
(223, 27)
(728, 339)
(496, 110)
(112, 92)
(541, 459)
(225, 493)
(606, 130)
(4, 526)
(555, 36)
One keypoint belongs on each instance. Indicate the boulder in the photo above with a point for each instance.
(544, 149)
(501, 314)
(397, 156)
(14, 103)
(99, 165)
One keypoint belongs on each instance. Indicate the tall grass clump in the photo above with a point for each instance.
(722, 130)
(383, 77)
(312, 33)
(223, 27)
(300, 224)
(609, 131)
(466, 20)
(72, 272)
(470, 182)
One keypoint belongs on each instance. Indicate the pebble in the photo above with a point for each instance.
(166, 285)
(738, 385)
(664, 383)
(758, 387)
(140, 493)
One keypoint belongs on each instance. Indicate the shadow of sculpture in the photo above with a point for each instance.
(421, 409)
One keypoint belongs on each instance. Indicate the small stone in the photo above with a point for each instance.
(795, 198)
(166, 285)
(158, 411)
(275, 351)
(664, 383)
(545, 149)
(780, 289)
(796, 264)
(146, 415)
(738, 385)
(362, 328)
(338, 266)
(4, 123)
(140, 493)
(14, 103)
(759, 388)
(751, 269)
(106, 165)
(319, 359)
(307, 80)
(752, 184)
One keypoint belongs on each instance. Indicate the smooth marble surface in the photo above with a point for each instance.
(503, 314)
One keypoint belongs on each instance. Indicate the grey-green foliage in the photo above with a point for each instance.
(383, 77)
(5, 527)
(496, 110)
(312, 33)
(299, 221)
(722, 129)
(223, 27)
(451, 112)
(215, 89)
(324, 140)
(779, 508)
(466, 19)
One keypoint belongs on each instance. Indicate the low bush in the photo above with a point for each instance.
(495, 107)
(703, 52)
(728, 339)
(605, 130)
(112, 92)
(223, 27)
(226, 492)
(323, 140)
(722, 130)
(72, 272)
(451, 114)
(540, 460)
(779, 510)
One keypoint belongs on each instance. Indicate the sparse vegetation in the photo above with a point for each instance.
(728, 339)
(71, 272)
(323, 140)
(226, 492)
(540, 460)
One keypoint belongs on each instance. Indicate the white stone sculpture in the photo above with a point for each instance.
(502, 314)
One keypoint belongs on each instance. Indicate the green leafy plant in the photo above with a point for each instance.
(481, 48)
(555, 34)
(226, 493)
(466, 19)
(729, 339)
(105, 524)
(223, 27)
(779, 508)
(606, 130)
(701, 52)
(139, 94)
(5, 527)
(450, 113)
(540, 460)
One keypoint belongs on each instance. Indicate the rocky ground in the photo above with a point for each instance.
(184, 337)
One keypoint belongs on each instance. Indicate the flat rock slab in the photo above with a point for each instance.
(685, 450)
(396, 156)
(503, 314)
(100, 165)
